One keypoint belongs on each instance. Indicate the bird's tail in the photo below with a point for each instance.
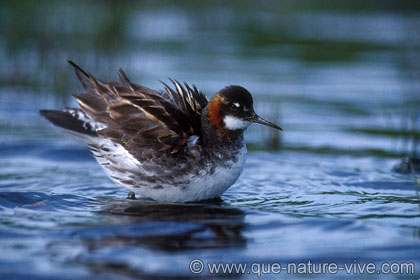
(69, 121)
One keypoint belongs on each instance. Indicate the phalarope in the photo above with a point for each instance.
(171, 145)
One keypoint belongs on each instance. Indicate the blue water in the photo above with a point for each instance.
(342, 82)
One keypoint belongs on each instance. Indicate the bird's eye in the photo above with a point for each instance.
(235, 105)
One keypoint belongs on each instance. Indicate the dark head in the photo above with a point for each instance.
(232, 109)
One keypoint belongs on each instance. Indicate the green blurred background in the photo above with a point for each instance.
(345, 73)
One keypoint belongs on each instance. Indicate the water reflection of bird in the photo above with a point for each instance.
(198, 225)
(172, 145)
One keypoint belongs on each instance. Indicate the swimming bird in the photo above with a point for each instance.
(171, 145)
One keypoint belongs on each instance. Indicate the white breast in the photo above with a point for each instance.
(213, 185)
(201, 187)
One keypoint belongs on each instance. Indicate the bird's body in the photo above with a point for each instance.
(170, 146)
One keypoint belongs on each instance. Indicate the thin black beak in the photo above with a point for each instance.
(258, 119)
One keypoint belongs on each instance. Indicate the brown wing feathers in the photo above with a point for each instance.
(189, 101)
(138, 116)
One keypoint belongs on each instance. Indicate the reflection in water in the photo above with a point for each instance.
(198, 225)
(137, 229)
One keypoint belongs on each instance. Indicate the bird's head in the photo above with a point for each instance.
(232, 110)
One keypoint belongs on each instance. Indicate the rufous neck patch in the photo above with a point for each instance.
(215, 117)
